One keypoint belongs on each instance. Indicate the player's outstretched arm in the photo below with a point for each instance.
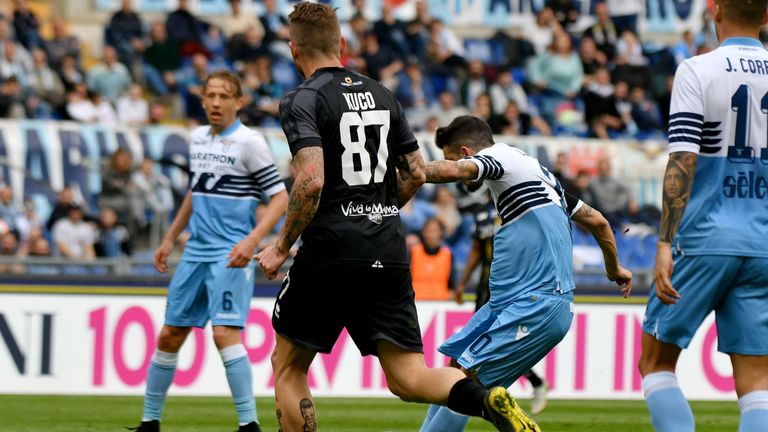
(597, 225)
(673, 206)
(410, 176)
(179, 224)
(242, 253)
(302, 205)
(445, 171)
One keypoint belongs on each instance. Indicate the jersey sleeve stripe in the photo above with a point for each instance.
(686, 115)
(271, 184)
(523, 208)
(685, 123)
(514, 191)
(685, 139)
(681, 130)
(532, 196)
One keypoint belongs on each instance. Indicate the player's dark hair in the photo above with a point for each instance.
(465, 130)
(228, 77)
(749, 13)
(314, 28)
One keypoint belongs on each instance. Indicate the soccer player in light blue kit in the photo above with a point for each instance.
(712, 253)
(531, 278)
(231, 168)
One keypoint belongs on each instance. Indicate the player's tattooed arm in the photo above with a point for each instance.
(678, 182)
(597, 225)
(305, 195)
(445, 171)
(410, 176)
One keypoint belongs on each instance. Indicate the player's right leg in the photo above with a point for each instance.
(186, 308)
(702, 282)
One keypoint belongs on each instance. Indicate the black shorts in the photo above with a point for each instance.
(318, 299)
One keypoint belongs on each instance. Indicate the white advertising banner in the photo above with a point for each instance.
(71, 344)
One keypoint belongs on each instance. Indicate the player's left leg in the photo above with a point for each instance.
(667, 405)
(751, 375)
(229, 297)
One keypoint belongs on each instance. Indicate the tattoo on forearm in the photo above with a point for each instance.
(435, 171)
(308, 412)
(410, 168)
(303, 201)
(678, 182)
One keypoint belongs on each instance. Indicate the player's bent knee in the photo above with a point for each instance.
(172, 338)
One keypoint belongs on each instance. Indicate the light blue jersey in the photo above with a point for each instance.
(719, 111)
(533, 247)
(230, 173)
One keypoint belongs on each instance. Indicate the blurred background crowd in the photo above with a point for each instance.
(554, 76)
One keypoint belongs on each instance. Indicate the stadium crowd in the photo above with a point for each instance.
(550, 77)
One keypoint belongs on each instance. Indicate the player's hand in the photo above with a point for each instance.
(160, 259)
(270, 260)
(458, 293)
(241, 254)
(623, 279)
(663, 274)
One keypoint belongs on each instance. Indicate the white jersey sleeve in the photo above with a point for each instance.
(259, 161)
(489, 168)
(686, 119)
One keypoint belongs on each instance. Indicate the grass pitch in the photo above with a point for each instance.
(198, 414)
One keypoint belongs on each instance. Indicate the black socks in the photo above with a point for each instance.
(534, 379)
(467, 397)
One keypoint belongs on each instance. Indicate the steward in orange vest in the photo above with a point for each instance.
(432, 264)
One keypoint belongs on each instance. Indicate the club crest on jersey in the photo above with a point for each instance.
(226, 143)
(349, 83)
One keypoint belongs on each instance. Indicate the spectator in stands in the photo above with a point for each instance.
(40, 247)
(516, 123)
(186, 30)
(417, 31)
(247, 48)
(10, 211)
(415, 213)
(158, 199)
(45, 82)
(112, 239)
(474, 85)
(581, 189)
(560, 171)
(6, 35)
(125, 32)
(161, 61)
(603, 32)
(109, 78)
(612, 197)
(119, 191)
(10, 247)
(446, 109)
(215, 44)
(591, 59)
(686, 48)
(505, 89)
(132, 108)
(238, 22)
(261, 94)
(70, 73)
(566, 12)
(414, 90)
(14, 65)
(191, 85)
(540, 31)
(558, 75)
(74, 237)
(645, 113)
(624, 106)
(600, 109)
(26, 25)
(381, 63)
(28, 222)
(447, 212)
(483, 107)
(432, 264)
(79, 105)
(629, 51)
(275, 25)
(354, 31)
(61, 44)
(707, 36)
(11, 99)
(445, 48)
(60, 210)
(390, 33)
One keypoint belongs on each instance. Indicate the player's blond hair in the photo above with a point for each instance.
(314, 29)
(750, 13)
(229, 78)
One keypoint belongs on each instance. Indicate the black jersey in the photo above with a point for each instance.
(362, 130)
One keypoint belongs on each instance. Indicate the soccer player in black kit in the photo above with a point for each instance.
(356, 162)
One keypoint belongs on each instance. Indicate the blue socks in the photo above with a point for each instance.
(159, 379)
(442, 419)
(240, 380)
(668, 407)
(754, 412)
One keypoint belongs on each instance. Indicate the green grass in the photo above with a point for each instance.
(95, 413)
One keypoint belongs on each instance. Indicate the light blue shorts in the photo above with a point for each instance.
(499, 346)
(200, 291)
(736, 288)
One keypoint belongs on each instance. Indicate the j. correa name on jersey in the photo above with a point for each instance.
(758, 67)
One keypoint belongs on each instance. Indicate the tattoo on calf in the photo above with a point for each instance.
(308, 412)
(279, 415)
